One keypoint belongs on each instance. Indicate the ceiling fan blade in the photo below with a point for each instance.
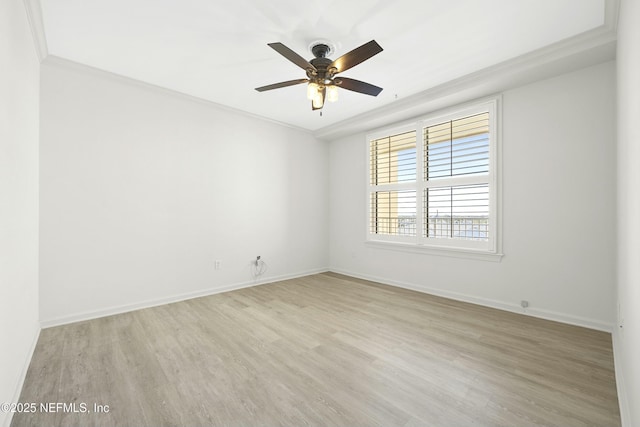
(292, 56)
(356, 56)
(324, 94)
(358, 86)
(281, 84)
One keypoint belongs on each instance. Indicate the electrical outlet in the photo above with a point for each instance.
(217, 264)
(524, 303)
(620, 317)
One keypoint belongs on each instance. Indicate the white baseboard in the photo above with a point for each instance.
(625, 414)
(109, 311)
(23, 376)
(501, 305)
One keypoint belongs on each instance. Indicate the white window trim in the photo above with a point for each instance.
(445, 247)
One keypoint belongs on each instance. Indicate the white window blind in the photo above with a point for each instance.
(460, 212)
(457, 147)
(393, 159)
(393, 213)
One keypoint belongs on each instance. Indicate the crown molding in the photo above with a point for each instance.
(589, 48)
(34, 15)
(63, 63)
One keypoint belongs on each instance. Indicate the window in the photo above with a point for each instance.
(393, 170)
(433, 183)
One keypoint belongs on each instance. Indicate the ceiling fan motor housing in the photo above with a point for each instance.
(320, 50)
(323, 74)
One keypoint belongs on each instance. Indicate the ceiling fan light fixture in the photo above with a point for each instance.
(318, 100)
(312, 90)
(332, 93)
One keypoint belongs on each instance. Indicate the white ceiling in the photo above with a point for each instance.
(217, 49)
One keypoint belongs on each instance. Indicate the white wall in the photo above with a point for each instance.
(627, 338)
(558, 208)
(142, 190)
(19, 83)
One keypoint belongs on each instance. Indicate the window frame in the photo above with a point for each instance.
(485, 250)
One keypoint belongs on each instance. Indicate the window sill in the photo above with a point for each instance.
(436, 250)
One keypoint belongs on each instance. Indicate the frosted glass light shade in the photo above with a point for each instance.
(312, 90)
(318, 100)
(332, 93)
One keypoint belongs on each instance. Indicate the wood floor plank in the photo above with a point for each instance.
(327, 350)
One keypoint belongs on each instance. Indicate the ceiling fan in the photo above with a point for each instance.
(321, 72)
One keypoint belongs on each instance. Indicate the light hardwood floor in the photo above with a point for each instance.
(323, 350)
